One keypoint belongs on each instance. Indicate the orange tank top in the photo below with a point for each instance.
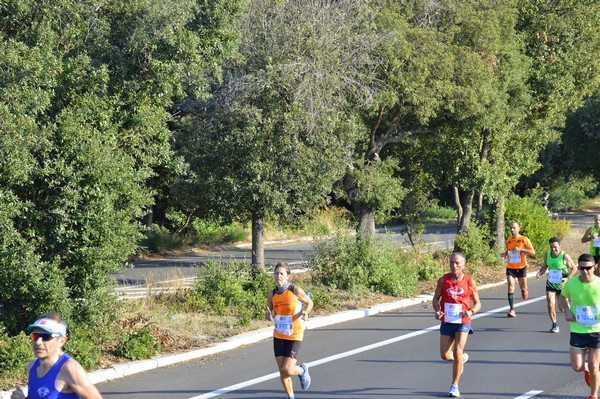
(287, 310)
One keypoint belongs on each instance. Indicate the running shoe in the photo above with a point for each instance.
(555, 329)
(454, 392)
(465, 357)
(586, 377)
(524, 295)
(511, 313)
(591, 397)
(304, 377)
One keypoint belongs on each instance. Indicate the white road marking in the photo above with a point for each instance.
(342, 355)
(529, 394)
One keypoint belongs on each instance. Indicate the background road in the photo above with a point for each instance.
(390, 355)
(175, 272)
(181, 270)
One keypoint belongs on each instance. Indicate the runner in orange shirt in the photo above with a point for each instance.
(284, 308)
(517, 249)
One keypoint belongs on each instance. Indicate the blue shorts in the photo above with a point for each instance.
(585, 341)
(450, 329)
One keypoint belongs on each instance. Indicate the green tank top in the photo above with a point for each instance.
(594, 251)
(556, 264)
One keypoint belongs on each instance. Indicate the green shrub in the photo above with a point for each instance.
(159, 238)
(139, 345)
(354, 264)
(214, 232)
(85, 346)
(535, 223)
(232, 288)
(15, 354)
(572, 195)
(429, 268)
(475, 244)
(437, 213)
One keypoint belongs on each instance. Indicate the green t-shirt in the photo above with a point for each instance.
(584, 302)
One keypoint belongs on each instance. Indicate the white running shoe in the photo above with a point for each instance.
(454, 392)
(465, 357)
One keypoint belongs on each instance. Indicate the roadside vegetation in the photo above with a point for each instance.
(151, 127)
(229, 298)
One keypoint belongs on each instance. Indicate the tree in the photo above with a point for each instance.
(277, 132)
(85, 93)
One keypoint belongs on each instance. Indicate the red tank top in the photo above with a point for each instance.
(456, 293)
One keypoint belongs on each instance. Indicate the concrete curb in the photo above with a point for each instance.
(126, 369)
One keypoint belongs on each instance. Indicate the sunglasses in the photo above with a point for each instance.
(585, 267)
(44, 336)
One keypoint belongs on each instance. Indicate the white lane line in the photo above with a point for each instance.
(267, 377)
(529, 394)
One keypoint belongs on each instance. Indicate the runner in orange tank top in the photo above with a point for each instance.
(518, 247)
(284, 308)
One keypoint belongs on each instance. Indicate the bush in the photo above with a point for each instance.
(475, 245)
(15, 354)
(535, 223)
(84, 346)
(232, 288)
(572, 195)
(139, 345)
(214, 232)
(349, 263)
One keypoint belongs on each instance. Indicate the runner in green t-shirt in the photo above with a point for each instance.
(580, 299)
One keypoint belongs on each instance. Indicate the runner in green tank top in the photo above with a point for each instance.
(560, 268)
(592, 235)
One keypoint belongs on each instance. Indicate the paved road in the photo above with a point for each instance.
(181, 270)
(390, 355)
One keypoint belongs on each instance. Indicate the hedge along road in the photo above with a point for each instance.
(174, 272)
(392, 354)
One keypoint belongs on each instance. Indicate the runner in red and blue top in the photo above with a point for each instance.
(455, 301)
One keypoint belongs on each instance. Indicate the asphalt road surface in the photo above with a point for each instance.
(182, 268)
(390, 355)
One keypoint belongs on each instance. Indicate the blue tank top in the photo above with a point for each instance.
(44, 388)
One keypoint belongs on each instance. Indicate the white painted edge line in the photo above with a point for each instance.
(529, 394)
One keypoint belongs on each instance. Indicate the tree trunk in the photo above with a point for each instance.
(258, 242)
(499, 237)
(479, 206)
(459, 209)
(364, 215)
(366, 227)
(466, 201)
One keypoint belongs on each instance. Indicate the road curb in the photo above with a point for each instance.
(126, 369)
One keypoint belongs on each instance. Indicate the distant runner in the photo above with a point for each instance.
(517, 249)
(560, 268)
(284, 308)
(592, 235)
(454, 293)
(581, 300)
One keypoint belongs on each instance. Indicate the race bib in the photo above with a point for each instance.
(586, 315)
(597, 242)
(453, 313)
(283, 325)
(514, 257)
(555, 276)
